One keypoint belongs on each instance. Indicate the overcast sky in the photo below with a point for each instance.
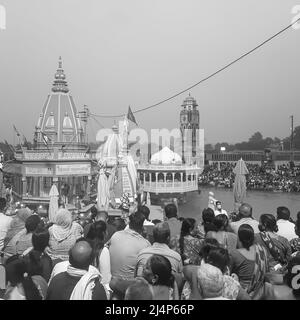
(137, 52)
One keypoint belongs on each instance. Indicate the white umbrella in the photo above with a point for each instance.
(53, 205)
(103, 190)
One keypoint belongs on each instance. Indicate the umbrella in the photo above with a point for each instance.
(103, 190)
(239, 187)
(53, 205)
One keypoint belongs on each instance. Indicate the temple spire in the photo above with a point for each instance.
(60, 84)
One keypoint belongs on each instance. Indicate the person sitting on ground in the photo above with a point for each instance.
(219, 209)
(278, 248)
(295, 243)
(250, 264)
(161, 236)
(5, 222)
(79, 282)
(36, 259)
(286, 228)
(101, 258)
(17, 224)
(139, 290)
(20, 284)
(226, 239)
(172, 219)
(23, 240)
(244, 217)
(63, 235)
(124, 247)
(290, 289)
(212, 253)
(158, 273)
(186, 245)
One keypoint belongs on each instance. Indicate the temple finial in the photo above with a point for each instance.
(60, 63)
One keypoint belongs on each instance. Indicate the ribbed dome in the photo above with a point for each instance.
(166, 156)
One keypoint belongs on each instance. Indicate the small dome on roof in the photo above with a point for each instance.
(189, 101)
(50, 121)
(165, 156)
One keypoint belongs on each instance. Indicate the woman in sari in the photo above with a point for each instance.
(16, 226)
(63, 236)
(186, 245)
(278, 248)
(158, 273)
(250, 264)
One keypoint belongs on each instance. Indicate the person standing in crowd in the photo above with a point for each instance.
(278, 248)
(227, 239)
(17, 225)
(5, 222)
(158, 273)
(79, 282)
(63, 235)
(244, 217)
(161, 236)
(36, 259)
(172, 220)
(148, 224)
(20, 284)
(250, 263)
(101, 257)
(219, 209)
(124, 247)
(295, 243)
(186, 245)
(286, 228)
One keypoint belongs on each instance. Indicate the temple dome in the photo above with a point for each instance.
(165, 156)
(189, 101)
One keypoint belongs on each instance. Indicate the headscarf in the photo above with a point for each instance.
(18, 223)
(62, 227)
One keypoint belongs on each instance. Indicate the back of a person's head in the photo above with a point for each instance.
(2, 204)
(140, 290)
(32, 223)
(245, 210)
(210, 281)
(119, 224)
(268, 223)
(218, 257)
(187, 226)
(102, 215)
(221, 222)
(97, 231)
(94, 212)
(81, 255)
(40, 239)
(161, 233)
(246, 235)
(63, 218)
(162, 269)
(136, 221)
(145, 211)
(292, 275)
(156, 221)
(283, 213)
(171, 211)
(208, 244)
(208, 215)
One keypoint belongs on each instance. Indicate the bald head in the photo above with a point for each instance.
(161, 233)
(245, 210)
(102, 216)
(80, 256)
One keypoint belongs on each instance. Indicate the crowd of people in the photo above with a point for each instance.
(261, 177)
(134, 258)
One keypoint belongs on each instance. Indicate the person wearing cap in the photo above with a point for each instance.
(244, 217)
(219, 209)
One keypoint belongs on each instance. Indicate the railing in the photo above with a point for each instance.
(170, 187)
(169, 167)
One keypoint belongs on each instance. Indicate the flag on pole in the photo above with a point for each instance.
(130, 116)
(16, 131)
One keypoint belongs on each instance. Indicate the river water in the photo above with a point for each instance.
(262, 202)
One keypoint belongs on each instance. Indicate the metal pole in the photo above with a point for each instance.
(292, 137)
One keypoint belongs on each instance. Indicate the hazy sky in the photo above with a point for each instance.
(137, 52)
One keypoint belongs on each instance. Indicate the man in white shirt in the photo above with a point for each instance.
(4, 222)
(285, 227)
(219, 209)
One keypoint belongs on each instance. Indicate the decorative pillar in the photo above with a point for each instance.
(181, 179)
(173, 180)
(165, 179)
(156, 178)
(24, 186)
(88, 187)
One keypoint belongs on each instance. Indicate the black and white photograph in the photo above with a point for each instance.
(149, 150)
